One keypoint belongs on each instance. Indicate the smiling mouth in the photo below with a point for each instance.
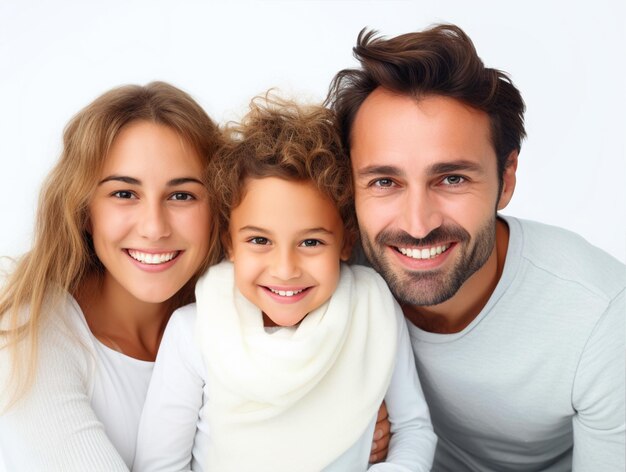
(152, 258)
(286, 293)
(424, 253)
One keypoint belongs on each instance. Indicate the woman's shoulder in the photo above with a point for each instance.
(64, 327)
(61, 318)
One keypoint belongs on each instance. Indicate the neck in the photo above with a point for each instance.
(122, 322)
(456, 313)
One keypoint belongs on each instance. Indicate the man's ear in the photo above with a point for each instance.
(508, 180)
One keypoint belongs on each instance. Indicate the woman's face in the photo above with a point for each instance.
(149, 217)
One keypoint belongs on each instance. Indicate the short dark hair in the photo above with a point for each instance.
(442, 61)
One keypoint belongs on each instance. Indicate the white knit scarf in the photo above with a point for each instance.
(295, 399)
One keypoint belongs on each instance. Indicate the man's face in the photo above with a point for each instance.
(426, 192)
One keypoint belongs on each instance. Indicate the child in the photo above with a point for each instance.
(292, 352)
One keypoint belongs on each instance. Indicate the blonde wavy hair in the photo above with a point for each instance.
(62, 256)
(284, 139)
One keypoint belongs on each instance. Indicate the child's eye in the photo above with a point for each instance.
(182, 196)
(259, 240)
(453, 180)
(311, 243)
(123, 194)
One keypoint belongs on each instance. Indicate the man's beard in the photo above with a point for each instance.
(430, 287)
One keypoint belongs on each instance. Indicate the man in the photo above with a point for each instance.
(517, 327)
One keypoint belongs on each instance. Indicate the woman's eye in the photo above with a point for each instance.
(259, 240)
(181, 196)
(123, 194)
(311, 243)
(453, 180)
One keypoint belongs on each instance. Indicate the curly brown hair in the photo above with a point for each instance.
(284, 139)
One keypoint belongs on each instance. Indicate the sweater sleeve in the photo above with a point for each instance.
(53, 427)
(168, 422)
(412, 444)
(598, 395)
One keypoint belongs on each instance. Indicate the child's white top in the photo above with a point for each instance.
(174, 430)
(83, 410)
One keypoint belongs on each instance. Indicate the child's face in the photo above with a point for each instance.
(287, 241)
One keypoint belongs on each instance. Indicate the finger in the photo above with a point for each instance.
(380, 444)
(382, 412)
(383, 428)
(378, 456)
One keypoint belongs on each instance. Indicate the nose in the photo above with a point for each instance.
(154, 221)
(285, 265)
(421, 213)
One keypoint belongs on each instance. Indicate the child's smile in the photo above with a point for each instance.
(287, 241)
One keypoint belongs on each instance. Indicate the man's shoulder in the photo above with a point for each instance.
(568, 257)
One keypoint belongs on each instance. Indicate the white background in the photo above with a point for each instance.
(567, 58)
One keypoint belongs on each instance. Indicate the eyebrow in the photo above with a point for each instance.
(454, 166)
(256, 229)
(391, 171)
(435, 169)
(133, 181)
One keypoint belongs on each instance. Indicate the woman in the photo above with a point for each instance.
(123, 231)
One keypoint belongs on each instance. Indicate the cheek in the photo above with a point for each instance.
(247, 266)
(327, 270)
(247, 270)
(470, 213)
(374, 214)
(103, 228)
(109, 222)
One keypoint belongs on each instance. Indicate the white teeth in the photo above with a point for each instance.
(150, 258)
(286, 293)
(426, 253)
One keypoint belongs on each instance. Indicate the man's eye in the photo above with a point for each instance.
(311, 243)
(453, 180)
(383, 183)
(259, 240)
(181, 196)
(123, 194)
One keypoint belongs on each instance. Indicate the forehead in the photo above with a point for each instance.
(143, 147)
(428, 130)
(296, 203)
